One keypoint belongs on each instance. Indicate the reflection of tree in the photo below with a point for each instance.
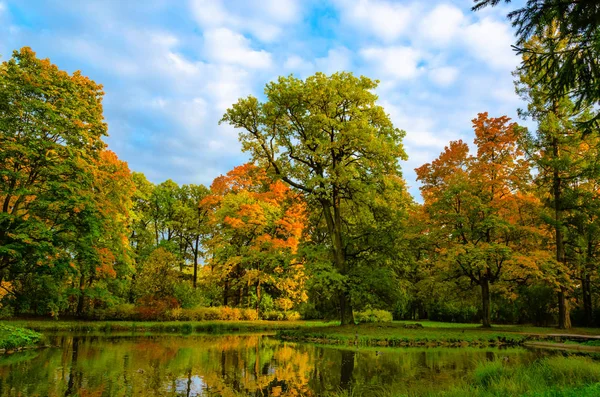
(72, 373)
(346, 369)
(230, 366)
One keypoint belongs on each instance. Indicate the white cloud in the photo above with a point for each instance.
(490, 41)
(264, 20)
(384, 19)
(396, 62)
(226, 46)
(285, 11)
(442, 24)
(337, 60)
(209, 13)
(443, 76)
(296, 63)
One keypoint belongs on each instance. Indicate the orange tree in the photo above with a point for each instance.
(256, 226)
(479, 208)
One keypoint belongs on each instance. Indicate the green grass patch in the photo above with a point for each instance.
(181, 327)
(430, 333)
(16, 337)
(397, 335)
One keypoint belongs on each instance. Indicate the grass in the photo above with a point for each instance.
(548, 377)
(397, 334)
(16, 337)
(185, 327)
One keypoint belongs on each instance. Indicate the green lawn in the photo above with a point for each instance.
(432, 334)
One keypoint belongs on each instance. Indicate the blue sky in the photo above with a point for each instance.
(171, 68)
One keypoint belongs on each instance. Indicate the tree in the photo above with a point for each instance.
(101, 251)
(191, 224)
(51, 125)
(326, 137)
(554, 149)
(473, 203)
(568, 64)
(257, 224)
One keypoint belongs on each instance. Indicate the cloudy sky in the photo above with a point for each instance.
(171, 68)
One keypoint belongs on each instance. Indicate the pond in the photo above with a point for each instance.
(230, 365)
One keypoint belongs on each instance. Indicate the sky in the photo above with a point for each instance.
(170, 69)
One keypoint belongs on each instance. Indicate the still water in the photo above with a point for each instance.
(230, 365)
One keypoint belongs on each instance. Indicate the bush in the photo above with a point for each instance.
(249, 314)
(453, 312)
(14, 337)
(274, 315)
(373, 316)
(168, 310)
(292, 316)
(188, 297)
(124, 311)
(151, 308)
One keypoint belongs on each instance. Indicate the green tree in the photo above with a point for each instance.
(568, 64)
(51, 125)
(555, 150)
(327, 137)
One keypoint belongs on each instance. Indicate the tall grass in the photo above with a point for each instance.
(549, 375)
(556, 376)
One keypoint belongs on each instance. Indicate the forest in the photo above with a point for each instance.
(319, 223)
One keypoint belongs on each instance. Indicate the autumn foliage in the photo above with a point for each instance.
(257, 225)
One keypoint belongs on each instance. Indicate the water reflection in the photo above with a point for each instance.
(231, 365)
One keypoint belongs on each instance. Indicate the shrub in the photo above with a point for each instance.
(13, 337)
(274, 315)
(229, 313)
(124, 311)
(373, 316)
(249, 314)
(292, 316)
(151, 308)
(187, 296)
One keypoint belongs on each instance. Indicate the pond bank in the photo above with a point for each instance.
(184, 327)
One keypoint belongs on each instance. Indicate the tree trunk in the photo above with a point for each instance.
(564, 317)
(195, 281)
(587, 300)
(485, 303)
(334, 226)
(226, 293)
(258, 297)
(346, 315)
(80, 299)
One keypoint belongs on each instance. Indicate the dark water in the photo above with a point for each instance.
(230, 365)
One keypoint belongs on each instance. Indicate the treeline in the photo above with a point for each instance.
(319, 224)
